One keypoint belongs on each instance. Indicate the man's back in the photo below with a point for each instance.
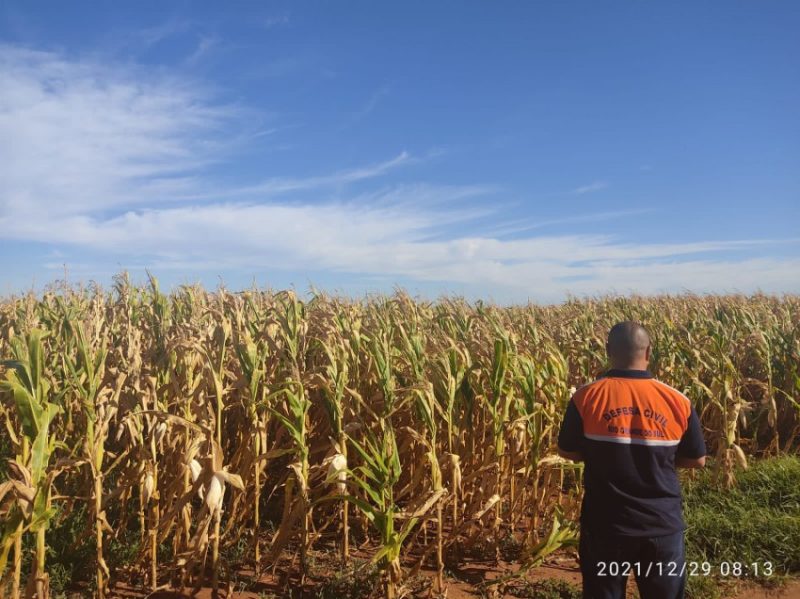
(631, 431)
(629, 428)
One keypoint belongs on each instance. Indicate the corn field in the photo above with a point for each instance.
(185, 423)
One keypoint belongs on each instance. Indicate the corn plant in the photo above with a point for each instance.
(334, 388)
(376, 477)
(87, 371)
(31, 480)
(252, 358)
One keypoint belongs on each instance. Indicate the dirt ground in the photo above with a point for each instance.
(463, 582)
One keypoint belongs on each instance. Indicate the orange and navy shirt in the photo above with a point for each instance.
(629, 427)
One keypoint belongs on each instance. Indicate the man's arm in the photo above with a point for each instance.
(691, 451)
(570, 437)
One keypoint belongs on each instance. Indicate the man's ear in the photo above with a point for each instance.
(648, 351)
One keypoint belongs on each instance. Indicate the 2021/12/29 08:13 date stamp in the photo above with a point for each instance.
(754, 569)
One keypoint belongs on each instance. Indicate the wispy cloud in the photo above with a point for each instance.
(369, 105)
(590, 188)
(204, 47)
(284, 185)
(275, 21)
(147, 37)
(594, 217)
(91, 137)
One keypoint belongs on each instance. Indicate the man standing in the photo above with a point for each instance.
(632, 431)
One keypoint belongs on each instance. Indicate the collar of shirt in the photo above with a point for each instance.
(629, 374)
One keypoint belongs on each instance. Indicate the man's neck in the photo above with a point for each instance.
(629, 367)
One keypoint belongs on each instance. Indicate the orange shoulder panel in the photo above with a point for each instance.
(632, 411)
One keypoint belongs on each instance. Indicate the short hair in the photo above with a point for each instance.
(627, 341)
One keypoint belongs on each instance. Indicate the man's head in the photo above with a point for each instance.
(628, 346)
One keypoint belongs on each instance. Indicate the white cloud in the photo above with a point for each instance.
(107, 160)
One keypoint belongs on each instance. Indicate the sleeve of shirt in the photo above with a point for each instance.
(570, 437)
(692, 445)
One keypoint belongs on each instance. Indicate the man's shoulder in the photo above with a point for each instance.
(664, 387)
(599, 380)
(587, 386)
(586, 389)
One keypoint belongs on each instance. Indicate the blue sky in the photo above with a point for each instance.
(510, 151)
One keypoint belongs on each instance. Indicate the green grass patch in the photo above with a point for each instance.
(756, 521)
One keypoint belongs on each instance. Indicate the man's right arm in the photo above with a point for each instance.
(691, 451)
(570, 437)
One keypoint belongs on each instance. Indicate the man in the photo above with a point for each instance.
(631, 431)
